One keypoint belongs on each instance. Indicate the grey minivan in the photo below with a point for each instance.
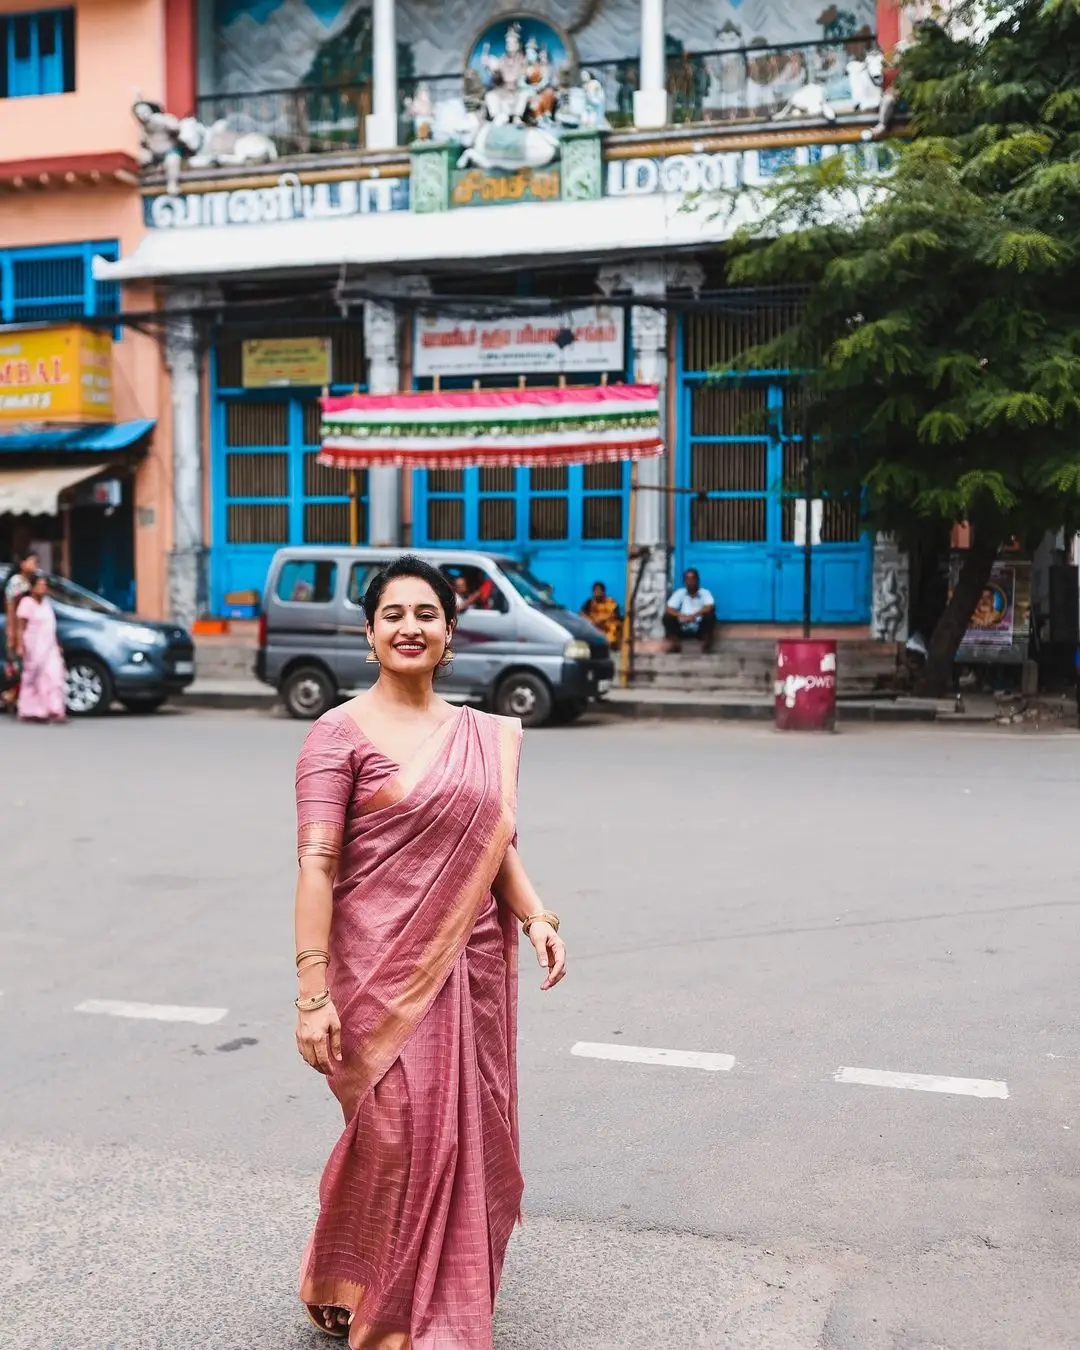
(516, 650)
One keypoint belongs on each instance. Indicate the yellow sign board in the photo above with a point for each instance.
(59, 375)
(281, 363)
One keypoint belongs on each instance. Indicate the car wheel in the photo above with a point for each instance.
(308, 692)
(565, 713)
(88, 691)
(144, 705)
(526, 696)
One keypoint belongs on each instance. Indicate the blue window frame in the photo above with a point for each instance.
(37, 53)
(56, 282)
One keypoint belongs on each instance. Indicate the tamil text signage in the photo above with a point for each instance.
(282, 363)
(682, 175)
(56, 375)
(287, 199)
(579, 340)
(474, 187)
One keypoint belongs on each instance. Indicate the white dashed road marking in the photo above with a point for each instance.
(154, 1012)
(924, 1082)
(644, 1054)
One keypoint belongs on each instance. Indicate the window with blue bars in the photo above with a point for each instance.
(56, 282)
(37, 53)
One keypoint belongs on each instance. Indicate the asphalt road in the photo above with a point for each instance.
(900, 900)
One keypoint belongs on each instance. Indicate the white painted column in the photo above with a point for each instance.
(648, 341)
(187, 559)
(381, 132)
(651, 98)
(384, 377)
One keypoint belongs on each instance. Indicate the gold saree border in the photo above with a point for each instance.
(387, 1039)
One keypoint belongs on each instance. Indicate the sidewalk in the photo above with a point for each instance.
(241, 695)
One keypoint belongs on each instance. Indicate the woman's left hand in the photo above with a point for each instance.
(550, 952)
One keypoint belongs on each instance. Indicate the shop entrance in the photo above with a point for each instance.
(267, 488)
(737, 514)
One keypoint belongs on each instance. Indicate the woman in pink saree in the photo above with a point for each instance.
(409, 893)
(41, 690)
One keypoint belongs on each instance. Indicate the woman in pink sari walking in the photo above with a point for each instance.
(407, 904)
(41, 690)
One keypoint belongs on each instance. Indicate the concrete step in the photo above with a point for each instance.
(749, 664)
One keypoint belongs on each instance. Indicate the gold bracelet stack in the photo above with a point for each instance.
(314, 1003)
(321, 958)
(545, 917)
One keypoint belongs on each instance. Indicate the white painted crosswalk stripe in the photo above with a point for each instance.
(923, 1082)
(154, 1012)
(644, 1054)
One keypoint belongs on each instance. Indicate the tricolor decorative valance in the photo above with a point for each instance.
(497, 427)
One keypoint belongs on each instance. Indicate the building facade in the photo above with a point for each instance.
(389, 196)
(88, 484)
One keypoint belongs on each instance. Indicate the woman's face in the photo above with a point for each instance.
(410, 632)
(39, 589)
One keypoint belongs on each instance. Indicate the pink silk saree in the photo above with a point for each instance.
(421, 1193)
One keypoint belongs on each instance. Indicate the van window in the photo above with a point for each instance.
(361, 575)
(307, 581)
(475, 590)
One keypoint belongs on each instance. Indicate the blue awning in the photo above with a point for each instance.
(98, 440)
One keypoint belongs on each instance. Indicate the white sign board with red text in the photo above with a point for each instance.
(447, 346)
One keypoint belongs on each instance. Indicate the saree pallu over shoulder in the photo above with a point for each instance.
(420, 1195)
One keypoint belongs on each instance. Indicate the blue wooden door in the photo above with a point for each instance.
(267, 487)
(567, 524)
(738, 459)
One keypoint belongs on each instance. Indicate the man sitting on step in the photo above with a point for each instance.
(691, 612)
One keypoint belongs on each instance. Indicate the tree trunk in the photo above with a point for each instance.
(937, 675)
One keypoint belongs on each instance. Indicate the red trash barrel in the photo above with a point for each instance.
(805, 685)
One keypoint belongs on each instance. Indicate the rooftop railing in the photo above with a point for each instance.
(725, 85)
(310, 120)
(732, 84)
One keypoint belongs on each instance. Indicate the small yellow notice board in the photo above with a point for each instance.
(281, 363)
(59, 374)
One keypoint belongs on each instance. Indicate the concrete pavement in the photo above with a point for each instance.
(900, 900)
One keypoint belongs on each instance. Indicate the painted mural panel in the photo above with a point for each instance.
(277, 44)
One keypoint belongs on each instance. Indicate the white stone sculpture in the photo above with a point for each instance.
(809, 101)
(501, 145)
(728, 75)
(218, 144)
(866, 78)
(168, 141)
(594, 113)
(164, 142)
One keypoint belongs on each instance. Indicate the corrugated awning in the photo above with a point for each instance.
(97, 440)
(36, 492)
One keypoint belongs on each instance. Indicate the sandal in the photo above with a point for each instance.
(340, 1319)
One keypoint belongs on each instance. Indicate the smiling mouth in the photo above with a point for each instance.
(410, 648)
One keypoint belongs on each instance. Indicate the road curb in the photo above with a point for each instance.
(255, 700)
(755, 712)
(240, 700)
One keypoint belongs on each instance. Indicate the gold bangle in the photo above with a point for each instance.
(545, 917)
(317, 961)
(314, 1003)
(311, 951)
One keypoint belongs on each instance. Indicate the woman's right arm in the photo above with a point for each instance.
(318, 1033)
(325, 778)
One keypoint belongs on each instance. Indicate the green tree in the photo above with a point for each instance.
(940, 326)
